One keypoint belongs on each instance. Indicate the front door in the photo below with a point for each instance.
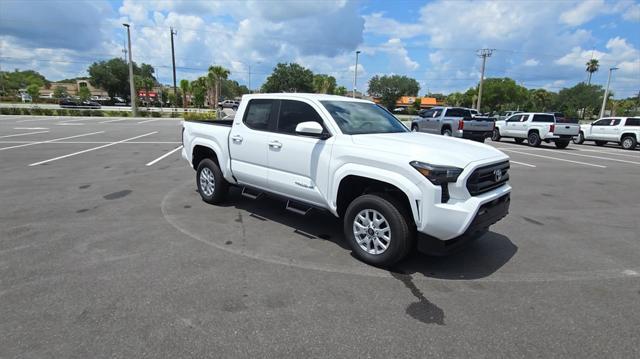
(298, 164)
(510, 126)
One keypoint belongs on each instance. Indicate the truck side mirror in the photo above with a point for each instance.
(309, 128)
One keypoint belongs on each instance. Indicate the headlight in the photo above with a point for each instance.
(438, 175)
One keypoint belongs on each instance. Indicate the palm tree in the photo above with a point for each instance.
(215, 76)
(592, 66)
(185, 88)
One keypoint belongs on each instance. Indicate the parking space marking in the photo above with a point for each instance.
(569, 153)
(91, 149)
(69, 124)
(145, 121)
(617, 153)
(116, 120)
(30, 128)
(23, 134)
(49, 141)
(101, 142)
(164, 156)
(522, 163)
(556, 159)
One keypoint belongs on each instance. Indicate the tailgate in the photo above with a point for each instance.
(566, 129)
(478, 124)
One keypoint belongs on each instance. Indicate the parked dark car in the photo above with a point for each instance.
(74, 103)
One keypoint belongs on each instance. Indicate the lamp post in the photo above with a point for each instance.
(132, 88)
(355, 76)
(606, 92)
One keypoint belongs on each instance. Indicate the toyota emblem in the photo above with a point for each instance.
(497, 175)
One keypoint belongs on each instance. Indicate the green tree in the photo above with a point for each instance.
(198, 91)
(324, 83)
(581, 96)
(34, 91)
(13, 81)
(216, 75)
(289, 78)
(60, 92)
(340, 91)
(592, 66)
(232, 89)
(83, 93)
(390, 88)
(502, 94)
(455, 99)
(113, 76)
(541, 100)
(185, 88)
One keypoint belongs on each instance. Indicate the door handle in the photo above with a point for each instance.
(275, 145)
(236, 139)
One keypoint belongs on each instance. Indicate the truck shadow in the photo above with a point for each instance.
(478, 259)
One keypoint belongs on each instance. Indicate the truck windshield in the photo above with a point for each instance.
(355, 118)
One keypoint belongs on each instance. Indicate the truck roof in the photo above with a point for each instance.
(301, 95)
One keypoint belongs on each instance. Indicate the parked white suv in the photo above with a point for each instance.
(535, 127)
(623, 130)
(356, 160)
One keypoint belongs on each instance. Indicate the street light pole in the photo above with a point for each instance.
(606, 92)
(355, 76)
(132, 88)
(173, 61)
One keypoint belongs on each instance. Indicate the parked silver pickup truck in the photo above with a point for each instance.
(453, 121)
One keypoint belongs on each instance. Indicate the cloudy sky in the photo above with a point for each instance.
(537, 43)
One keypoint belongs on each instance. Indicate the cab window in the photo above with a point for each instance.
(258, 114)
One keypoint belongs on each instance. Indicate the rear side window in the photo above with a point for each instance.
(544, 118)
(632, 122)
(294, 112)
(615, 122)
(457, 112)
(258, 114)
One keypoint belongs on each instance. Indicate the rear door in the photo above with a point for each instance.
(248, 143)
(298, 164)
(613, 131)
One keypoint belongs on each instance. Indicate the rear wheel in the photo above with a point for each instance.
(414, 128)
(562, 144)
(601, 143)
(519, 140)
(579, 139)
(629, 142)
(378, 229)
(212, 186)
(534, 139)
(446, 132)
(495, 136)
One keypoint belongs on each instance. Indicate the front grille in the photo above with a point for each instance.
(485, 179)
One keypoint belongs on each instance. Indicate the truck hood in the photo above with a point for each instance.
(433, 149)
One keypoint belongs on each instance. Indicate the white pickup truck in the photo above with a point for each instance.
(354, 159)
(536, 127)
(623, 130)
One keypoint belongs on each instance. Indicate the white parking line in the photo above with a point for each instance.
(145, 121)
(116, 120)
(23, 134)
(30, 128)
(49, 141)
(522, 163)
(164, 156)
(101, 142)
(556, 159)
(91, 149)
(37, 119)
(570, 153)
(617, 153)
(69, 124)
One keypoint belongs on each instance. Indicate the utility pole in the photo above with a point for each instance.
(355, 76)
(173, 60)
(250, 91)
(132, 87)
(606, 92)
(484, 53)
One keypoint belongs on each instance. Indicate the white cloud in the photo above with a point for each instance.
(583, 12)
(376, 23)
(531, 62)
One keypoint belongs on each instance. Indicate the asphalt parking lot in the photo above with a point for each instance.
(106, 250)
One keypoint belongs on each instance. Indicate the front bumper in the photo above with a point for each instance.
(488, 214)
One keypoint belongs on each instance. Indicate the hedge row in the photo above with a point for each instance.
(200, 116)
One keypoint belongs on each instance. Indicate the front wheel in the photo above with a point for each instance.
(534, 139)
(562, 144)
(601, 143)
(495, 136)
(519, 140)
(378, 229)
(629, 143)
(414, 128)
(212, 186)
(579, 139)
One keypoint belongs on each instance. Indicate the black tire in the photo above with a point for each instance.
(519, 140)
(562, 144)
(534, 139)
(629, 142)
(220, 187)
(495, 136)
(579, 139)
(399, 219)
(414, 128)
(601, 143)
(480, 139)
(235, 108)
(447, 132)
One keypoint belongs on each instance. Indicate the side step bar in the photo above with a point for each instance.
(297, 207)
(250, 193)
